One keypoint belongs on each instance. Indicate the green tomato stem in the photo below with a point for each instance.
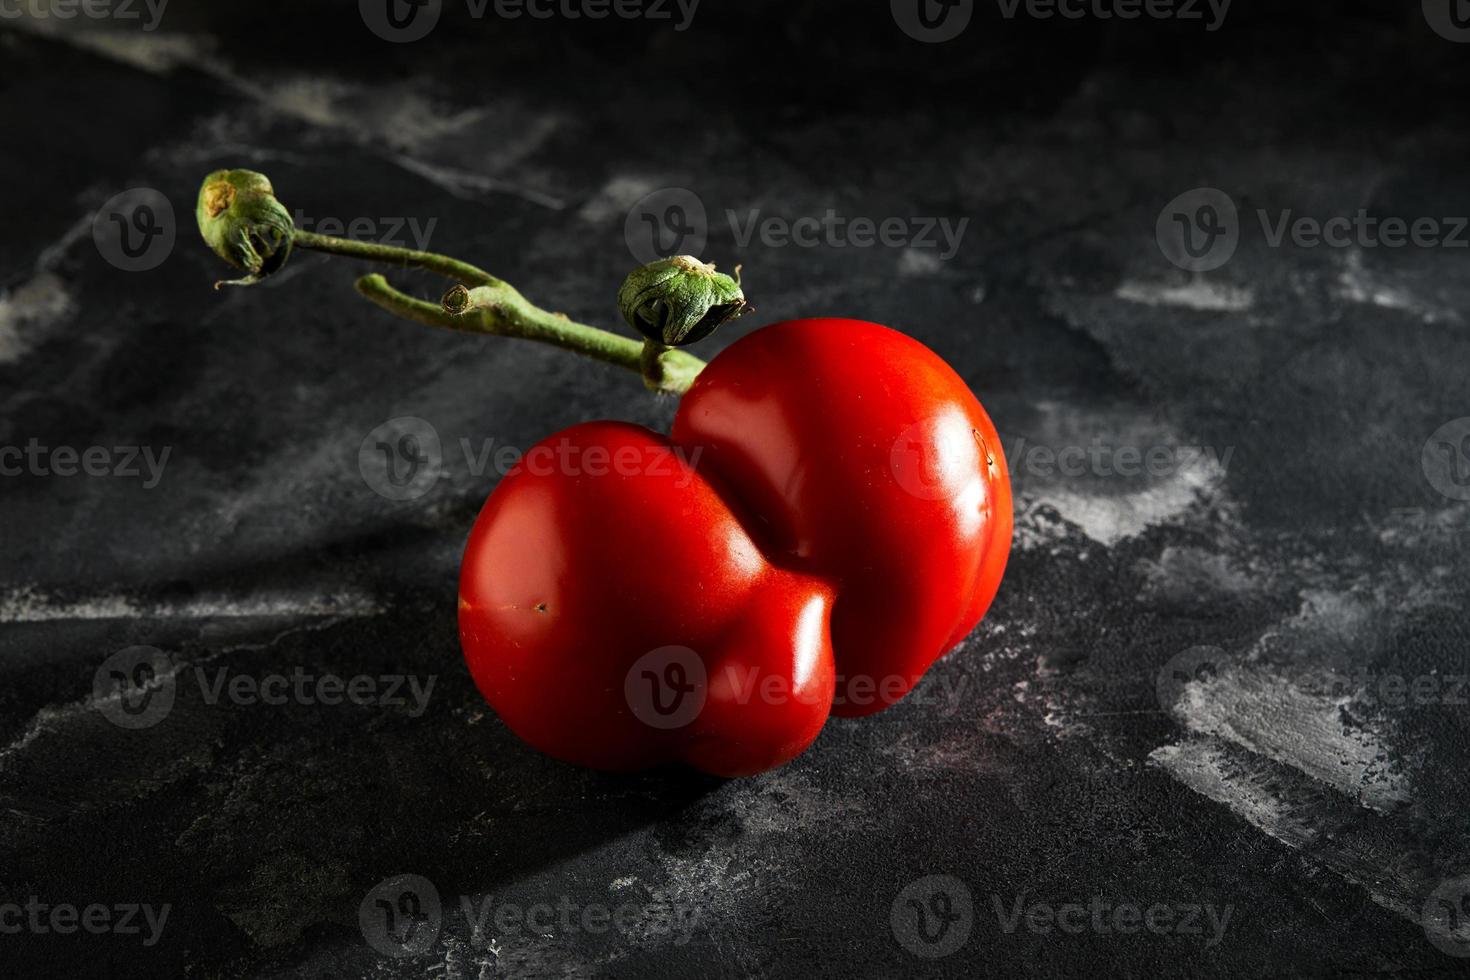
(404, 258)
(500, 310)
(487, 305)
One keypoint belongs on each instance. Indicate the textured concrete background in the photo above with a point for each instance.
(1231, 691)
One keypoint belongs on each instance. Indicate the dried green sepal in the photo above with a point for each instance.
(679, 301)
(244, 224)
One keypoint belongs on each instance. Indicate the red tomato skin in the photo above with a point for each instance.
(870, 463)
(576, 568)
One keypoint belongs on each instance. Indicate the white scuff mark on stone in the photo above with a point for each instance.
(378, 114)
(47, 719)
(1417, 527)
(1263, 710)
(155, 53)
(1198, 294)
(961, 752)
(405, 117)
(788, 803)
(147, 50)
(615, 197)
(80, 229)
(27, 311)
(464, 184)
(30, 606)
(1257, 791)
(1067, 466)
(711, 885)
(1187, 573)
(1206, 766)
(919, 262)
(1357, 285)
(1309, 720)
(1108, 519)
(51, 719)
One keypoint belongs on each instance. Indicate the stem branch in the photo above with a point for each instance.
(497, 308)
(404, 258)
(485, 304)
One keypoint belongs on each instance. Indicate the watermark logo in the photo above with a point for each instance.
(402, 458)
(401, 916)
(1450, 19)
(932, 21)
(936, 459)
(666, 688)
(1197, 665)
(134, 231)
(1198, 230)
(1446, 459)
(401, 21)
(665, 222)
(933, 917)
(1446, 917)
(134, 688)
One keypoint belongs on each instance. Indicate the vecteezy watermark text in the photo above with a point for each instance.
(90, 9)
(404, 458)
(383, 231)
(834, 230)
(404, 21)
(1200, 230)
(35, 459)
(64, 918)
(403, 916)
(137, 687)
(1105, 460)
(673, 221)
(1394, 689)
(933, 917)
(936, 21)
(1211, 12)
(667, 688)
(489, 920)
(1103, 916)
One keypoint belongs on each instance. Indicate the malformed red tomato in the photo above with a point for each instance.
(870, 463)
(831, 515)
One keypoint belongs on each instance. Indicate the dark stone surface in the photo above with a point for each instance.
(1043, 762)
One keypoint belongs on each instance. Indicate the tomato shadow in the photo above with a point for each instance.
(303, 808)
